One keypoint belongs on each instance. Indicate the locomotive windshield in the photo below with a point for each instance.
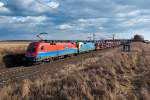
(31, 48)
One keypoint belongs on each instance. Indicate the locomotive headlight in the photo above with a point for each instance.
(33, 54)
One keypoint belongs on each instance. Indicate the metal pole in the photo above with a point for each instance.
(93, 37)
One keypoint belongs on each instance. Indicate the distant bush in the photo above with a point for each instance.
(138, 38)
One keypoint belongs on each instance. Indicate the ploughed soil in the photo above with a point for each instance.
(112, 75)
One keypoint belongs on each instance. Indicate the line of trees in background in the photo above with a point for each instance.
(138, 38)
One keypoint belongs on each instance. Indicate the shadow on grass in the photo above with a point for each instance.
(14, 60)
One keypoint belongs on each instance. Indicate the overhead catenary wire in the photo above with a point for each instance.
(42, 4)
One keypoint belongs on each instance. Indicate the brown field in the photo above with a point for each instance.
(113, 75)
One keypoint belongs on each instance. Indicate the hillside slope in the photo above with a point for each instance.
(113, 75)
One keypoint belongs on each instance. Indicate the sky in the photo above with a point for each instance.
(74, 19)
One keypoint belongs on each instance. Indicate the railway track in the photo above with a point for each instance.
(22, 72)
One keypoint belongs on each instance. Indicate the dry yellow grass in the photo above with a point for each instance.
(12, 46)
(110, 76)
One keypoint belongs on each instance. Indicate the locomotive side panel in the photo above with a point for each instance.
(68, 48)
(47, 50)
(85, 47)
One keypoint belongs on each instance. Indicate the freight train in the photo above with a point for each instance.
(46, 51)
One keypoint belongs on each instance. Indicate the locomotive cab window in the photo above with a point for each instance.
(31, 48)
